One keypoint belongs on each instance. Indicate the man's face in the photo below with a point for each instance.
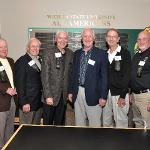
(3, 49)
(62, 40)
(88, 38)
(143, 41)
(34, 48)
(112, 38)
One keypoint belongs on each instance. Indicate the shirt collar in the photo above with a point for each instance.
(86, 52)
(33, 57)
(118, 49)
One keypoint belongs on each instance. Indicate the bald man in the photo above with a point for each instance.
(140, 80)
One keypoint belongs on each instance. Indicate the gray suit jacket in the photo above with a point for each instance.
(55, 80)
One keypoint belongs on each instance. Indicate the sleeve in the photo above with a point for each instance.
(72, 75)
(104, 75)
(126, 69)
(20, 81)
(5, 85)
(45, 74)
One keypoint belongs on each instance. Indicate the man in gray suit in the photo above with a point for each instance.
(56, 65)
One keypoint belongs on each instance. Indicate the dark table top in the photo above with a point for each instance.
(77, 138)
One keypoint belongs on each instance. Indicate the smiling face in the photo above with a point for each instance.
(88, 38)
(34, 47)
(3, 49)
(61, 40)
(112, 38)
(143, 40)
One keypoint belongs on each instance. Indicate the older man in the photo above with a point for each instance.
(56, 65)
(88, 87)
(28, 84)
(117, 106)
(7, 91)
(140, 80)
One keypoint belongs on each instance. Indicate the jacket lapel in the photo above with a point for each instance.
(34, 66)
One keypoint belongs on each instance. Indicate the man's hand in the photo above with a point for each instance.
(70, 97)
(148, 107)
(49, 101)
(11, 91)
(26, 108)
(121, 102)
(102, 102)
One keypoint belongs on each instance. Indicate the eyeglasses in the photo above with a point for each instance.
(34, 46)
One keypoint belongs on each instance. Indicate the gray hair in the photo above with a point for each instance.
(1, 39)
(32, 39)
(58, 32)
(85, 29)
(115, 30)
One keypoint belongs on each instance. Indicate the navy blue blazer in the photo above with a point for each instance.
(28, 83)
(96, 79)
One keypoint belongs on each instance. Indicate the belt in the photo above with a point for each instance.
(142, 91)
(82, 85)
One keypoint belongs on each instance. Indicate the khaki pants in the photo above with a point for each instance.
(140, 109)
(84, 114)
(113, 115)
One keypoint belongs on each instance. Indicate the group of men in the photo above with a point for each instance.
(101, 84)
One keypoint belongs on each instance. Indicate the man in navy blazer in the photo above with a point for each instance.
(29, 85)
(88, 81)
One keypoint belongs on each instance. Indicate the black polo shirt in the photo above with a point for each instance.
(140, 80)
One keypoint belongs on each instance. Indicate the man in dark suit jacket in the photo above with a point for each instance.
(56, 65)
(117, 106)
(7, 91)
(28, 84)
(88, 82)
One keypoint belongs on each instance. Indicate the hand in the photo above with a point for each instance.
(11, 91)
(121, 102)
(148, 107)
(49, 101)
(102, 102)
(70, 97)
(26, 108)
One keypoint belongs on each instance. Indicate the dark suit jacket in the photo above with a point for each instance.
(28, 83)
(96, 79)
(55, 81)
(5, 99)
(119, 80)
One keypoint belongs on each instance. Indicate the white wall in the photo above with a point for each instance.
(16, 16)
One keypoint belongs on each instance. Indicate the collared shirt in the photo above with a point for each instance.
(8, 70)
(85, 56)
(35, 59)
(140, 82)
(112, 55)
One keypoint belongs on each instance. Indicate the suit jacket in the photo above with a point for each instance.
(96, 78)
(28, 83)
(55, 80)
(119, 80)
(5, 99)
